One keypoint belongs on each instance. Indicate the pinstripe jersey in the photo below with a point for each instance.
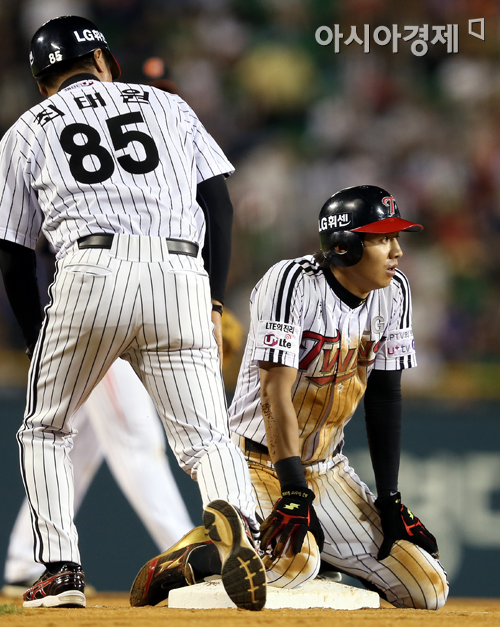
(299, 320)
(105, 158)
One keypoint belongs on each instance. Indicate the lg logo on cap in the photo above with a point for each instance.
(88, 35)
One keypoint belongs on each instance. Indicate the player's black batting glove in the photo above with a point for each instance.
(292, 517)
(398, 523)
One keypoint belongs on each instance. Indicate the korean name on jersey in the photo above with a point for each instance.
(87, 160)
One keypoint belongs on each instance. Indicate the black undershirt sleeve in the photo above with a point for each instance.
(18, 268)
(383, 407)
(213, 197)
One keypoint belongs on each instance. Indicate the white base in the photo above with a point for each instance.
(317, 593)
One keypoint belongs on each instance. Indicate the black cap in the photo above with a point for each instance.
(363, 209)
(64, 38)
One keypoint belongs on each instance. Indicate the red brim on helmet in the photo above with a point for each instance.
(389, 225)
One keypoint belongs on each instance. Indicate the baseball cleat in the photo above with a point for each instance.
(243, 573)
(65, 588)
(167, 571)
(16, 589)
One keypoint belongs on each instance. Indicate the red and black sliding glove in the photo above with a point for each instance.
(292, 517)
(398, 523)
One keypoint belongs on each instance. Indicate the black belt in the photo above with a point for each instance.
(105, 240)
(255, 447)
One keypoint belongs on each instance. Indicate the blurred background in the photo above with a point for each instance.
(299, 122)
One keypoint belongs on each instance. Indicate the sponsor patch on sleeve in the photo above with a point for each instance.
(271, 334)
(399, 343)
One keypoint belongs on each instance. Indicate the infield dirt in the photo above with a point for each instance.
(113, 610)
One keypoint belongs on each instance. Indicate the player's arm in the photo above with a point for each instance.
(293, 515)
(18, 268)
(213, 197)
(212, 167)
(282, 430)
(383, 410)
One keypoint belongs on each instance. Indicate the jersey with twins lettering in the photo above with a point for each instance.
(105, 158)
(300, 318)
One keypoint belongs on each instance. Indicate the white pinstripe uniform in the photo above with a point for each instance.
(118, 423)
(122, 159)
(299, 320)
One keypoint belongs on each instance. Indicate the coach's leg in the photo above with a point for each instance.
(133, 441)
(80, 338)
(86, 457)
(191, 403)
(177, 360)
(408, 577)
(179, 365)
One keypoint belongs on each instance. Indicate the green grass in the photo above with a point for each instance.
(10, 608)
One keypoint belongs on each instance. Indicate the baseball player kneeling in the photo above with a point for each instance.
(325, 330)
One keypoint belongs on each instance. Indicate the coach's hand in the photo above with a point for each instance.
(30, 348)
(217, 320)
(398, 523)
(292, 517)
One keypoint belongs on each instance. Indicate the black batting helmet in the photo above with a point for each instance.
(350, 213)
(64, 38)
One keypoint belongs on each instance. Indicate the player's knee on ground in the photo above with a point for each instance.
(421, 579)
(290, 571)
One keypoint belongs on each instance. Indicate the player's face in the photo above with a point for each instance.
(377, 266)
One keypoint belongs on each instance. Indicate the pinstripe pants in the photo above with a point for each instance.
(152, 308)
(408, 577)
